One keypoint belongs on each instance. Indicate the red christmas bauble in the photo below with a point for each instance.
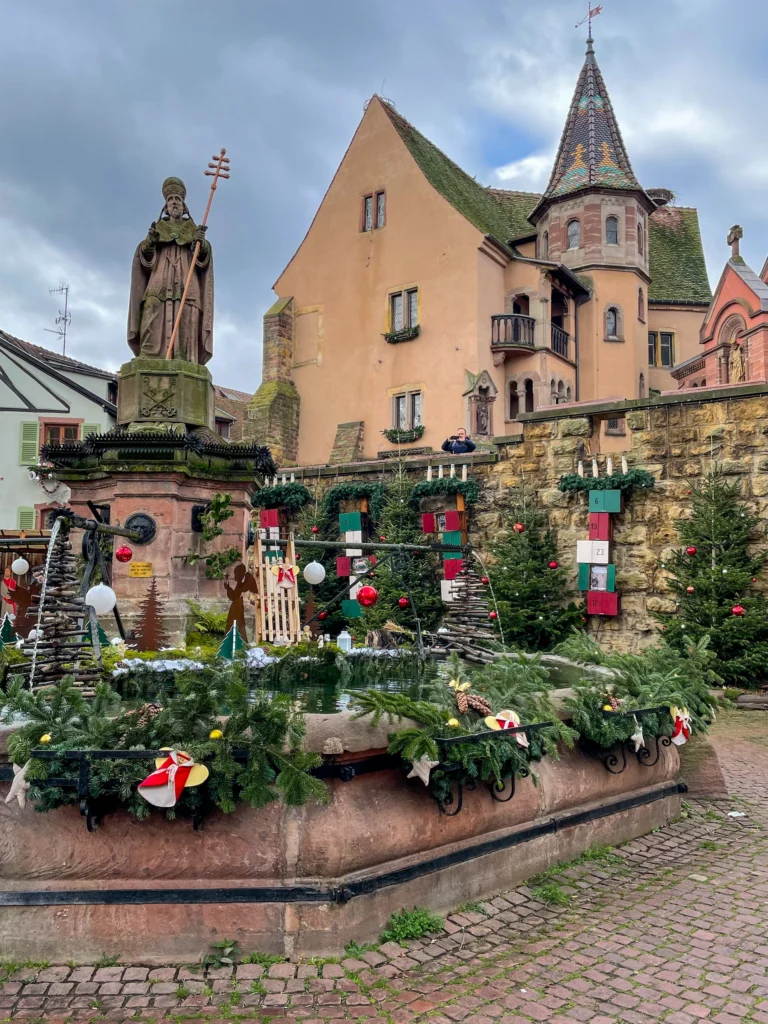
(690, 590)
(518, 528)
(322, 615)
(737, 610)
(382, 538)
(485, 580)
(691, 550)
(367, 596)
(689, 492)
(493, 615)
(403, 602)
(754, 579)
(124, 554)
(315, 529)
(553, 565)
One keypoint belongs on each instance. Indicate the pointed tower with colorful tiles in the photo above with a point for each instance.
(593, 218)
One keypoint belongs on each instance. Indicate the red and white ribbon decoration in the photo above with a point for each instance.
(165, 785)
(682, 730)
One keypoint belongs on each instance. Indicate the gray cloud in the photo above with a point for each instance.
(100, 101)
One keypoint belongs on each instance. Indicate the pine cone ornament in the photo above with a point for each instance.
(146, 713)
(462, 702)
(479, 704)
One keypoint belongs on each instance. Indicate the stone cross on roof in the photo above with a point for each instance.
(734, 236)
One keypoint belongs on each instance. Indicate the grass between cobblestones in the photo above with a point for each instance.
(672, 927)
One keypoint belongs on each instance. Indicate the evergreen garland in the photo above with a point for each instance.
(616, 482)
(659, 677)
(354, 492)
(529, 594)
(293, 496)
(506, 685)
(720, 574)
(266, 725)
(448, 485)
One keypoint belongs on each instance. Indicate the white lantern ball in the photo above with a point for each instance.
(20, 566)
(101, 598)
(314, 573)
(35, 634)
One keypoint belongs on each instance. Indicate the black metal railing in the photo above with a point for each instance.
(512, 329)
(559, 341)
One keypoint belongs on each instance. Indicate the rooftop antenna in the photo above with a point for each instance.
(64, 319)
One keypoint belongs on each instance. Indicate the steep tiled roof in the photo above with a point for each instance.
(676, 257)
(591, 149)
(462, 191)
(232, 394)
(55, 359)
(676, 254)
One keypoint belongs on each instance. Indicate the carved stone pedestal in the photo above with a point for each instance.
(164, 393)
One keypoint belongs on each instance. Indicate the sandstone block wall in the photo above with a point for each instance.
(677, 440)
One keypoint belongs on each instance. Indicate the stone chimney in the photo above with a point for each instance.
(273, 412)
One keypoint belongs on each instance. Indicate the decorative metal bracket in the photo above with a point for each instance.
(644, 754)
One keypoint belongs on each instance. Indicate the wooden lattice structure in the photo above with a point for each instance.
(278, 617)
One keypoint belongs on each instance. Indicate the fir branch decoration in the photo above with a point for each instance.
(405, 334)
(396, 436)
(506, 684)
(659, 677)
(266, 725)
(353, 492)
(624, 482)
(448, 485)
(293, 496)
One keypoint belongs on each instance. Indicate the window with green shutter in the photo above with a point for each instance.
(29, 454)
(89, 428)
(26, 519)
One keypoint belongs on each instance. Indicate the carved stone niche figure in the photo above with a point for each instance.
(737, 368)
(160, 267)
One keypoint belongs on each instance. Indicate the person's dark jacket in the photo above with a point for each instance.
(456, 447)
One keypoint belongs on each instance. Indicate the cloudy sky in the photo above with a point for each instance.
(101, 99)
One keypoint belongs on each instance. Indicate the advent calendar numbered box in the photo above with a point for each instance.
(353, 536)
(601, 603)
(605, 501)
(447, 591)
(592, 552)
(350, 521)
(599, 526)
(428, 524)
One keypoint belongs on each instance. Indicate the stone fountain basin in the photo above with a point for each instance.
(380, 832)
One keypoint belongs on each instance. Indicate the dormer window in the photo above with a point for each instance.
(612, 231)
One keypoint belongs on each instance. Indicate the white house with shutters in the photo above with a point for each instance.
(44, 397)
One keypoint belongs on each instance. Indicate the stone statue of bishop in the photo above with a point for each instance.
(160, 267)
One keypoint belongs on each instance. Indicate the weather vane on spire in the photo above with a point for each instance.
(592, 12)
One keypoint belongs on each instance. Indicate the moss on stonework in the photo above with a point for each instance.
(269, 391)
(279, 306)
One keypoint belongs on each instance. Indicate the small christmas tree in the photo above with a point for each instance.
(528, 583)
(7, 631)
(231, 644)
(149, 633)
(712, 576)
(417, 576)
(88, 636)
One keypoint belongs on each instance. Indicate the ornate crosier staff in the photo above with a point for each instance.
(220, 165)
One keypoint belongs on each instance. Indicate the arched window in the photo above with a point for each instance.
(612, 230)
(528, 385)
(641, 386)
(574, 234)
(568, 394)
(514, 400)
(611, 322)
(640, 238)
(640, 304)
(560, 390)
(545, 246)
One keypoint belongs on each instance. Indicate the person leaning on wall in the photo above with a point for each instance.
(459, 443)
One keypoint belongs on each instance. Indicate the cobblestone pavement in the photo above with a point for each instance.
(672, 927)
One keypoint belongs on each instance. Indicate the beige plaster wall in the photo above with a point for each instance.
(346, 275)
(685, 323)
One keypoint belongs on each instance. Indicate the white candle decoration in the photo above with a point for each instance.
(609, 466)
(623, 464)
(580, 469)
(595, 472)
